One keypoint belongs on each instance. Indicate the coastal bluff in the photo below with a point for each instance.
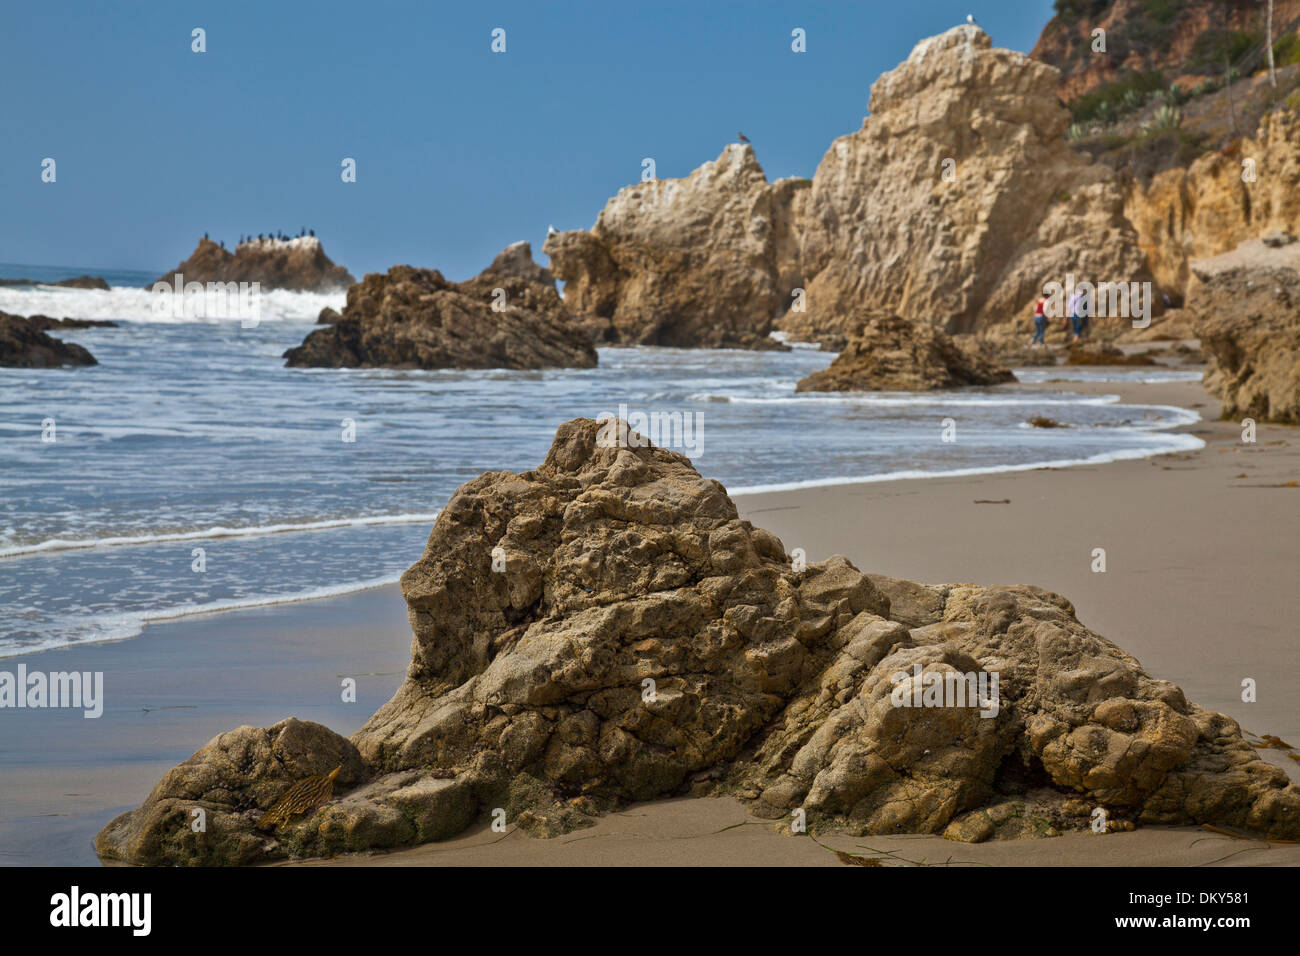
(605, 628)
(298, 265)
(508, 316)
(951, 206)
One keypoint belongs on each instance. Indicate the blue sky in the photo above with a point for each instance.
(459, 151)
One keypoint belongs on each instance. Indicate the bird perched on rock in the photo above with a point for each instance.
(552, 231)
(307, 794)
(970, 18)
(742, 137)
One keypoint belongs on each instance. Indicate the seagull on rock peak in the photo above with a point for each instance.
(552, 231)
(970, 18)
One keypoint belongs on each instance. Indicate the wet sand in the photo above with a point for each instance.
(1202, 550)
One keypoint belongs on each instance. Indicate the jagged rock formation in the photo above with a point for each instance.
(891, 354)
(606, 628)
(1247, 304)
(952, 205)
(1208, 209)
(705, 261)
(79, 282)
(885, 229)
(299, 265)
(415, 318)
(24, 344)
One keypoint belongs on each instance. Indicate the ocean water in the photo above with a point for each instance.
(191, 472)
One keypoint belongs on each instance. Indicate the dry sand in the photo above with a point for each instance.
(1202, 554)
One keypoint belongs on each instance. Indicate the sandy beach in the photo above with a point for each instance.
(1200, 586)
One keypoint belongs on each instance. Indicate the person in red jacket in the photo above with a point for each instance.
(1040, 323)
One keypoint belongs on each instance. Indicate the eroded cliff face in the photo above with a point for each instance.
(1247, 308)
(1209, 208)
(952, 205)
(706, 261)
(887, 229)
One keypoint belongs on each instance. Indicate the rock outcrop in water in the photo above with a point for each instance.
(77, 282)
(508, 316)
(24, 344)
(1247, 304)
(705, 261)
(299, 265)
(606, 628)
(890, 354)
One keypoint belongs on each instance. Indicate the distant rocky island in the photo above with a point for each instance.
(298, 264)
(508, 316)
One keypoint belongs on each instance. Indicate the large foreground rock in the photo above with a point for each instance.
(706, 261)
(24, 344)
(605, 628)
(508, 316)
(299, 265)
(1247, 304)
(891, 354)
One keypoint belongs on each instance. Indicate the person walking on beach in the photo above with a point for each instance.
(1078, 323)
(1040, 323)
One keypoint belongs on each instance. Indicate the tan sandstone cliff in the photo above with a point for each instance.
(1247, 308)
(887, 230)
(952, 205)
(1208, 208)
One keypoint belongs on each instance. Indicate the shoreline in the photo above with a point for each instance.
(133, 623)
(1199, 588)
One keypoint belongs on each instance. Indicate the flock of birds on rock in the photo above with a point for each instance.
(283, 237)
